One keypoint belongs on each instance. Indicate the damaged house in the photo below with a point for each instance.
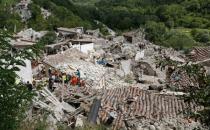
(70, 33)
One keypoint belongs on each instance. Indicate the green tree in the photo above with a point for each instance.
(14, 97)
(201, 35)
(155, 31)
(48, 38)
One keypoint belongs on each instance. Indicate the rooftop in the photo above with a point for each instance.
(21, 43)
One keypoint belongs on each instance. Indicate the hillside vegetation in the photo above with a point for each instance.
(173, 23)
(177, 23)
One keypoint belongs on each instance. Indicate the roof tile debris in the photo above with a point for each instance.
(133, 102)
(200, 53)
(182, 80)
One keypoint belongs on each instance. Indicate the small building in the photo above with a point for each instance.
(84, 45)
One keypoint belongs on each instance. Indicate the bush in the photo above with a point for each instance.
(178, 40)
(155, 31)
(201, 35)
(49, 38)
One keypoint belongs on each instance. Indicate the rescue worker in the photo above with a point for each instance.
(78, 73)
(64, 77)
(49, 71)
(74, 80)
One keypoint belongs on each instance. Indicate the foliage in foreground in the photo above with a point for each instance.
(14, 97)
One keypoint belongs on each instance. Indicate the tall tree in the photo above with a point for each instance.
(14, 97)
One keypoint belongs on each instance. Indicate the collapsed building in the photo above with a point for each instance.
(122, 77)
(130, 103)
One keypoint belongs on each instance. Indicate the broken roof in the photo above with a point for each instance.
(21, 43)
(199, 54)
(132, 102)
(70, 30)
(180, 79)
(58, 44)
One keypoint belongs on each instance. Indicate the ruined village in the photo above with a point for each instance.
(119, 81)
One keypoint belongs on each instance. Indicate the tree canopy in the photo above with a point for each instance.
(14, 96)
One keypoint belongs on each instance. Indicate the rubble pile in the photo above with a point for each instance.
(133, 103)
(119, 82)
(121, 108)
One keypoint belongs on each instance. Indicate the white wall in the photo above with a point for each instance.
(85, 48)
(25, 72)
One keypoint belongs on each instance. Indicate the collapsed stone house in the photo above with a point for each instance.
(59, 59)
(199, 54)
(134, 36)
(124, 104)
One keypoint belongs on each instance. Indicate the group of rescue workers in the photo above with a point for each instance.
(66, 78)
